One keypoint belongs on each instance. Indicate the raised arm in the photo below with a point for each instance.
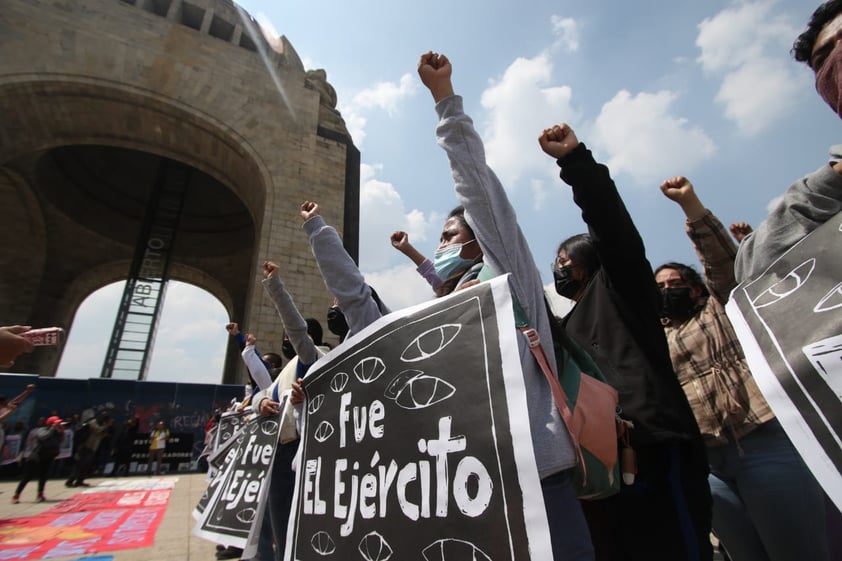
(341, 275)
(487, 208)
(255, 364)
(617, 241)
(294, 323)
(400, 241)
(714, 248)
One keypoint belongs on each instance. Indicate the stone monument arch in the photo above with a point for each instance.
(96, 94)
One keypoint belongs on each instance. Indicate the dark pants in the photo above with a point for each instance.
(664, 516)
(33, 468)
(281, 488)
(569, 536)
(83, 466)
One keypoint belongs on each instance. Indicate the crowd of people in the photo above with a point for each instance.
(710, 454)
(78, 447)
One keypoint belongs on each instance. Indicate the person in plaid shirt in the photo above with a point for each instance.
(766, 503)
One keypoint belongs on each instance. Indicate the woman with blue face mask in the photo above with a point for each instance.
(458, 258)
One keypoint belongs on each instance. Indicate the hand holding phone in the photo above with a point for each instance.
(45, 336)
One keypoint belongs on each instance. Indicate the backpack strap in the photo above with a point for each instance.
(559, 397)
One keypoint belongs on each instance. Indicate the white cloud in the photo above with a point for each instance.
(643, 139)
(567, 32)
(191, 341)
(519, 107)
(747, 46)
(400, 286)
(385, 96)
(384, 212)
(758, 92)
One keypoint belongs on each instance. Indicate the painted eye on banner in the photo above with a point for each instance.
(322, 543)
(338, 382)
(374, 548)
(315, 403)
(323, 431)
(450, 549)
(423, 391)
(269, 427)
(431, 342)
(831, 300)
(786, 286)
(398, 382)
(369, 369)
(246, 515)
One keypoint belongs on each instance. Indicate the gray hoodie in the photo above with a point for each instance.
(492, 218)
(807, 204)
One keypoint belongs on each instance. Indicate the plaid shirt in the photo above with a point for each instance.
(705, 351)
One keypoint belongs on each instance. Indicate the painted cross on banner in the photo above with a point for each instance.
(789, 321)
(416, 444)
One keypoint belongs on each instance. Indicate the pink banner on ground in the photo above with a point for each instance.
(86, 523)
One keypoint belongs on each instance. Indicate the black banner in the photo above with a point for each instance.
(410, 449)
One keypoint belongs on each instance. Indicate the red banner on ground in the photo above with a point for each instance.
(86, 523)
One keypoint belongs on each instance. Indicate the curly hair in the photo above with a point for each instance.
(802, 49)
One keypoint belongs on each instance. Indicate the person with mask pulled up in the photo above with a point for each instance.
(766, 504)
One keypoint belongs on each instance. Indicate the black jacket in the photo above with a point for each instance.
(616, 319)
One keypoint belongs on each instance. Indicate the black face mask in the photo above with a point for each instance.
(336, 322)
(676, 303)
(288, 350)
(565, 284)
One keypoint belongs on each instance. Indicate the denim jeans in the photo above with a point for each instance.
(569, 534)
(766, 504)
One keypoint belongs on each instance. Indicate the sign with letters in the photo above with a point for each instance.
(233, 506)
(789, 321)
(416, 443)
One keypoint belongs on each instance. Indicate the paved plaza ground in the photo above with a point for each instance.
(174, 540)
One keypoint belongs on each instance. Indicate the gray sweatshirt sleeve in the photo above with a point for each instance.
(294, 324)
(807, 204)
(342, 276)
(505, 250)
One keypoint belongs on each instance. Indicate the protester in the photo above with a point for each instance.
(157, 444)
(501, 244)
(666, 512)
(305, 339)
(95, 430)
(767, 506)
(47, 443)
(124, 444)
(740, 230)
(260, 378)
(336, 322)
(816, 198)
(400, 241)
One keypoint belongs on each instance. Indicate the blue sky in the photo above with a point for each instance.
(655, 89)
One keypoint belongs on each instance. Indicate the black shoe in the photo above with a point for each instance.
(229, 553)
(69, 484)
(83, 484)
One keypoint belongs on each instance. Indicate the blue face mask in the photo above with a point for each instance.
(447, 260)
